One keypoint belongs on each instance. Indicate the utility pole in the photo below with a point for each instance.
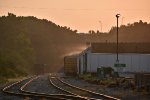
(117, 60)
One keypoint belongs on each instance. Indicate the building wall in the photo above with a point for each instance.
(82, 62)
(134, 62)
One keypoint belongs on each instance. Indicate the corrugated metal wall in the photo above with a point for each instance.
(134, 62)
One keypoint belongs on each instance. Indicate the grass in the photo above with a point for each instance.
(4, 80)
(88, 76)
(92, 78)
(14, 79)
(108, 82)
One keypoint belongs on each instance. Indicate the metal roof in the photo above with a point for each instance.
(122, 48)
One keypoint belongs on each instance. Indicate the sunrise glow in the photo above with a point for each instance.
(83, 15)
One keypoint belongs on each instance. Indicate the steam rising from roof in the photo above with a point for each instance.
(75, 52)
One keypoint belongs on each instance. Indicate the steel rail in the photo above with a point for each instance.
(6, 89)
(75, 96)
(20, 94)
(91, 92)
(62, 88)
(94, 93)
(37, 93)
(55, 96)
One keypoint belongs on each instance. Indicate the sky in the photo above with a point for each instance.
(82, 15)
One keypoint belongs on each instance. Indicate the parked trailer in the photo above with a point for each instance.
(135, 57)
(70, 65)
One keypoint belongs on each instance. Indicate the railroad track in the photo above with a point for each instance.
(77, 91)
(17, 89)
(14, 89)
(52, 96)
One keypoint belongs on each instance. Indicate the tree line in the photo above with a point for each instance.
(27, 41)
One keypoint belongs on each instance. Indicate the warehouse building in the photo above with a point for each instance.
(134, 57)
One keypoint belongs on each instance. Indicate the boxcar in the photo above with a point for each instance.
(70, 65)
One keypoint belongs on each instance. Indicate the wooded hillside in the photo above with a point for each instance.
(25, 41)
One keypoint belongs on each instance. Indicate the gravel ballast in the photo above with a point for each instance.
(118, 92)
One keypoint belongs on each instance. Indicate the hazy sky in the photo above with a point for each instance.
(82, 15)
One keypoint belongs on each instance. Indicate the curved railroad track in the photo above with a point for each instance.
(77, 91)
(68, 91)
(53, 96)
(14, 89)
(17, 89)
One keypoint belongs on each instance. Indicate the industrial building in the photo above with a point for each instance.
(135, 57)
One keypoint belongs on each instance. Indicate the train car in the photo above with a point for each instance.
(70, 65)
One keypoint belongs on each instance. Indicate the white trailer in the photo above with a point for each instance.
(87, 61)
